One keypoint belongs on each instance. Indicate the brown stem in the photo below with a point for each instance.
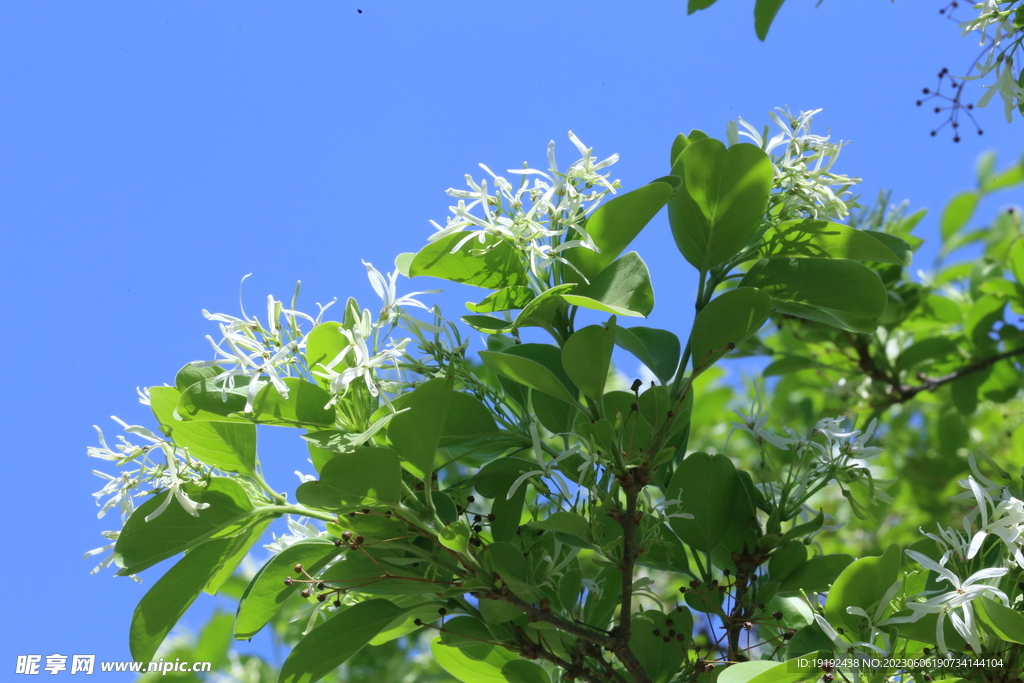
(907, 392)
(563, 625)
(631, 484)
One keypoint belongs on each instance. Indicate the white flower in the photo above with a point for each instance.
(1005, 520)
(754, 424)
(1007, 86)
(300, 529)
(363, 363)
(387, 291)
(843, 645)
(947, 604)
(172, 482)
(875, 621)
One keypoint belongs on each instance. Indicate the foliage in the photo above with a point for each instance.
(525, 515)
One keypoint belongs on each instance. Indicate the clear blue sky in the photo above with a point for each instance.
(151, 154)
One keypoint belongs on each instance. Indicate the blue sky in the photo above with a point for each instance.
(151, 154)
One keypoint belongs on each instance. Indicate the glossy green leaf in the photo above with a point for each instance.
(305, 405)
(527, 372)
(508, 511)
(657, 349)
(165, 603)
(899, 247)
(467, 419)
(823, 239)
(243, 544)
(709, 490)
(792, 671)
(614, 225)
(523, 671)
(958, 211)
(623, 288)
(190, 374)
(764, 14)
(480, 664)
(224, 445)
(330, 644)
(541, 311)
(926, 350)
(511, 566)
(323, 344)
(722, 201)
(659, 659)
(862, 584)
(142, 544)
(488, 324)
(465, 631)
(455, 536)
(366, 478)
(406, 623)
(726, 322)
(586, 357)
(1007, 623)
(745, 671)
(694, 5)
(375, 575)
(416, 432)
(492, 264)
(207, 401)
(267, 592)
(837, 292)
(507, 299)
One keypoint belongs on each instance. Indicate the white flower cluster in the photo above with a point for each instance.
(253, 351)
(541, 220)
(170, 473)
(998, 16)
(807, 187)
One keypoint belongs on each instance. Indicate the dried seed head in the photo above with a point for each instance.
(298, 569)
(287, 580)
(305, 592)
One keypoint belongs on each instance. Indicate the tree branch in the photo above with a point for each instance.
(631, 484)
(908, 392)
(588, 635)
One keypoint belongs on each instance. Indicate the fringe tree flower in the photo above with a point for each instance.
(956, 604)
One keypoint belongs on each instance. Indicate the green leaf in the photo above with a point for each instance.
(487, 324)
(726, 322)
(323, 344)
(142, 544)
(786, 560)
(1016, 260)
(498, 475)
(929, 349)
(816, 575)
(243, 544)
(1011, 176)
(984, 314)
(464, 631)
(657, 349)
(745, 671)
(224, 445)
(764, 14)
(304, 407)
(492, 264)
(694, 5)
(822, 239)
(506, 299)
(330, 644)
(709, 490)
(522, 671)
(267, 592)
(862, 584)
(899, 247)
(957, 212)
(416, 432)
(377, 576)
(614, 225)
(568, 523)
(787, 365)
(190, 374)
(541, 311)
(165, 603)
(722, 201)
(508, 512)
(837, 292)
(406, 623)
(792, 671)
(455, 536)
(659, 659)
(366, 478)
(600, 604)
(586, 356)
(480, 664)
(623, 288)
(511, 566)
(467, 419)
(528, 372)
(1007, 623)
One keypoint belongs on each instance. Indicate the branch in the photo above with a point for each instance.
(632, 483)
(907, 392)
(540, 615)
